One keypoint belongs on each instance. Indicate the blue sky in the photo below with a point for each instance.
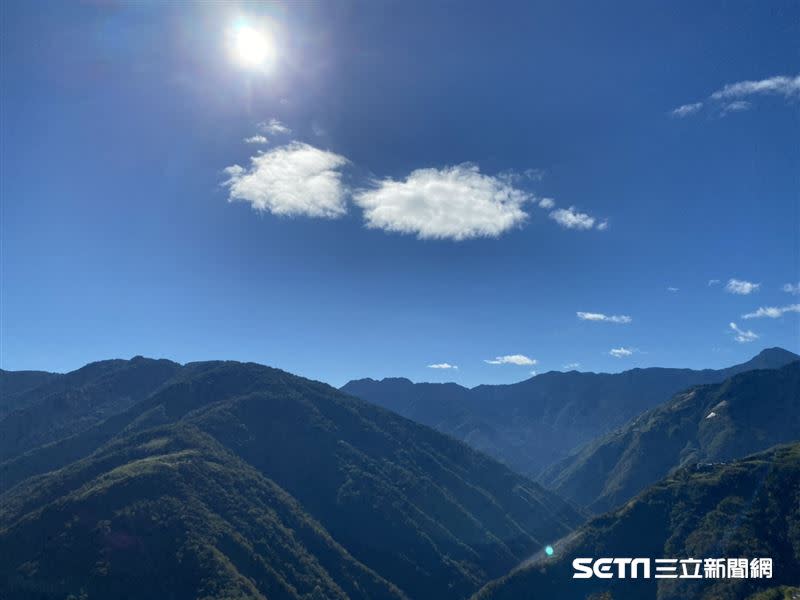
(398, 215)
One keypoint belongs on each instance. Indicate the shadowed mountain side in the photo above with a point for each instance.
(68, 404)
(534, 423)
(745, 414)
(749, 508)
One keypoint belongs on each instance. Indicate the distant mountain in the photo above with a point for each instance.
(14, 385)
(744, 509)
(534, 423)
(63, 405)
(238, 480)
(747, 413)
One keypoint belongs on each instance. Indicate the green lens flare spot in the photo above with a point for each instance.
(549, 550)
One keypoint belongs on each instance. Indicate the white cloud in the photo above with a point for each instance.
(741, 287)
(686, 110)
(773, 312)
(534, 174)
(454, 203)
(713, 282)
(736, 106)
(571, 366)
(791, 288)
(295, 179)
(602, 225)
(512, 359)
(571, 219)
(443, 365)
(256, 139)
(741, 335)
(587, 316)
(779, 85)
(733, 97)
(547, 203)
(673, 289)
(621, 352)
(275, 127)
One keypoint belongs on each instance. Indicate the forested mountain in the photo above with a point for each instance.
(238, 480)
(744, 509)
(63, 405)
(747, 413)
(534, 423)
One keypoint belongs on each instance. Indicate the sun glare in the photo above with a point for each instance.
(252, 48)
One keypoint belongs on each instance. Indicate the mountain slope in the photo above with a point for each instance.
(749, 508)
(747, 413)
(174, 505)
(535, 423)
(68, 404)
(423, 511)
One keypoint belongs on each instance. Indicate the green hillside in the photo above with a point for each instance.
(747, 508)
(745, 414)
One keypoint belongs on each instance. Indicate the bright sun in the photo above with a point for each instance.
(251, 47)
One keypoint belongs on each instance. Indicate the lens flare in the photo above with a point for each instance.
(549, 550)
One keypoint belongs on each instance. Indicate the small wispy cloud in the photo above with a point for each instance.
(621, 352)
(737, 97)
(535, 174)
(673, 289)
(570, 218)
(275, 127)
(588, 316)
(443, 365)
(512, 359)
(546, 203)
(736, 106)
(741, 287)
(742, 336)
(571, 366)
(773, 312)
(686, 109)
(256, 139)
(791, 288)
(713, 282)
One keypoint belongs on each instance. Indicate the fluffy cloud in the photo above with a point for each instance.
(791, 288)
(256, 139)
(295, 179)
(587, 316)
(443, 365)
(547, 203)
(686, 110)
(621, 352)
(275, 127)
(741, 335)
(512, 359)
(571, 219)
(741, 287)
(733, 97)
(456, 203)
(773, 312)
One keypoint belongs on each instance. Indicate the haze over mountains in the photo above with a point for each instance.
(534, 423)
(235, 480)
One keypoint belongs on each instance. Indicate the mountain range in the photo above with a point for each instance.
(535, 423)
(747, 413)
(235, 480)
